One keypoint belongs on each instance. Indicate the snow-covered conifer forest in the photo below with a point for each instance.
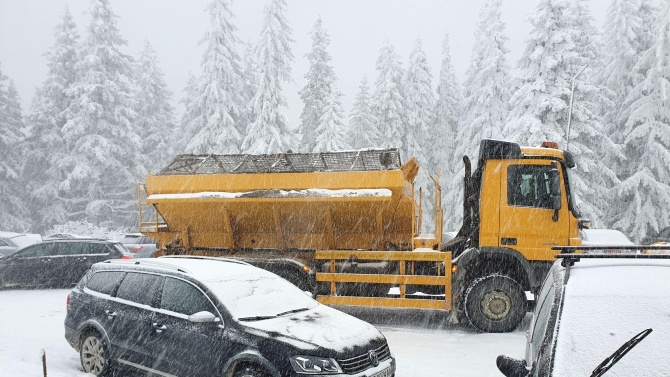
(102, 118)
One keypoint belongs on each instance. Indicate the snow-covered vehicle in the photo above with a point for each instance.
(199, 316)
(346, 225)
(139, 245)
(10, 241)
(605, 237)
(594, 308)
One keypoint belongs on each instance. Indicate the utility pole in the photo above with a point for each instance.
(572, 97)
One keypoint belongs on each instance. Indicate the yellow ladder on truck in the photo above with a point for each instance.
(148, 210)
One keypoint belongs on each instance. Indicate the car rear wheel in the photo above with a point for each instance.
(495, 303)
(94, 355)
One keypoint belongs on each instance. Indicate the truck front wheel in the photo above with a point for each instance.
(495, 303)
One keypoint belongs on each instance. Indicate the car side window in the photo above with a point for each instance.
(3, 243)
(97, 248)
(665, 233)
(39, 250)
(529, 186)
(140, 288)
(104, 281)
(69, 248)
(183, 297)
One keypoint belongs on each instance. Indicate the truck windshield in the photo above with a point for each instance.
(260, 297)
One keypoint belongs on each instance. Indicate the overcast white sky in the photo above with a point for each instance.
(357, 28)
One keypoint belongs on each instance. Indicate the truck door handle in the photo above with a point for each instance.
(159, 328)
(110, 314)
(508, 241)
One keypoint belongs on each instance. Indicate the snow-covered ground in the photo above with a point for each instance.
(32, 321)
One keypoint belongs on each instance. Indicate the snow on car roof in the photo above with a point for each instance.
(605, 237)
(201, 268)
(606, 303)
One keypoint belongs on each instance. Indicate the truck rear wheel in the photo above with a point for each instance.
(495, 303)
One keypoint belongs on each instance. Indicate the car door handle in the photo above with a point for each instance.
(82, 259)
(110, 314)
(159, 328)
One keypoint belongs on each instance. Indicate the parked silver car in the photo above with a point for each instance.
(10, 241)
(139, 245)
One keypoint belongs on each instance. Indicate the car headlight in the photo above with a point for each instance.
(314, 365)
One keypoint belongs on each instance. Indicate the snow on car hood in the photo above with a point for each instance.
(605, 307)
(319, 328)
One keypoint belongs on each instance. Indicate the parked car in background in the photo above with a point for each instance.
(57, 262)
(140, 245)
(662, 236)
(592, 307)
(10, 241)
(199, 316)
(605, 237)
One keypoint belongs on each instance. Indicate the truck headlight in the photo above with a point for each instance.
(314, 365)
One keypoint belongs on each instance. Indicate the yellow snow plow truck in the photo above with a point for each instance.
(345, 225)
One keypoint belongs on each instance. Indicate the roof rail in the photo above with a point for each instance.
(571, 259)
(220, 259)
(572, 249)
(148, 262)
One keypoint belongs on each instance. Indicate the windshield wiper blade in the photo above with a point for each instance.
(620, 353)
(292, 311)
(256, 318)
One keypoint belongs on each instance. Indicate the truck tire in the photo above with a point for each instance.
(495, 303)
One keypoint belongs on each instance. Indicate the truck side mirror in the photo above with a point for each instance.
(555, 183)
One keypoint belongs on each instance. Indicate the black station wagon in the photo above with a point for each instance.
(199, 316)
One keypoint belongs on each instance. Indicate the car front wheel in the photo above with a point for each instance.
(94, 355)
(250, 371)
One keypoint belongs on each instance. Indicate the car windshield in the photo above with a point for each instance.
(259, 296)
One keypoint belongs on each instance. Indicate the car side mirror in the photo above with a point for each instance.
(511, 367)
(203, 317)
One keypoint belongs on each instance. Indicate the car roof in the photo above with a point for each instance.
(200, 268)
(606, 237)
(605, 303)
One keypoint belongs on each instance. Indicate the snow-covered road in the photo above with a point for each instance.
(32, 321)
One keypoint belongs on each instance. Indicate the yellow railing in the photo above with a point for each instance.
(148, 226)
(404, 278)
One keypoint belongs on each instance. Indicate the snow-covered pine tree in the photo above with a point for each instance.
(626, 35)
(419, 105)
(249, 88)
(13, 213)
(487, 84)
(44, 148)
(104, 161)
(561, 43)
(218, 96)
(363, 131)
(155, 120)
(270, 133)
(445, 130)
(644, 193)
(387, 100)
(331, 131)
(191, 111)
(317, 92)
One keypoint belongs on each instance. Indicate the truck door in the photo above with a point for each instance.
(528, 224)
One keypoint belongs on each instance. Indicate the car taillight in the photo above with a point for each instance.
(67, 303)
(126, 257)
(135, 249)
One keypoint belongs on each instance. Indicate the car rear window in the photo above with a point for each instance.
(140, 288)
(104, 281)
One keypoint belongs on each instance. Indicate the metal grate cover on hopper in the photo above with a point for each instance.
(363, 160)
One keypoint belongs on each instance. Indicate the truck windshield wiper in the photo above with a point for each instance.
(620, 353)
(292, 311)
